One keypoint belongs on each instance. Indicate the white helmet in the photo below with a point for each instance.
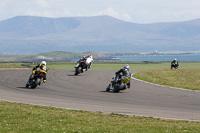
(43, 63)
(126, 66)
(175, 59)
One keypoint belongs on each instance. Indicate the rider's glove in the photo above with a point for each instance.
(33, 71)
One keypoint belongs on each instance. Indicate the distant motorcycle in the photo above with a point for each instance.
(37, 79)
(175, 66)
(117, 84)
(79, 67)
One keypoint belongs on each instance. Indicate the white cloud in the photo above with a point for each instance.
(3, 3)
(138, 11)
(42, 3)
(111, 12)
(48, 13)
(127, 16)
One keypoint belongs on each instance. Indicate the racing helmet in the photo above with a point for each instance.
(175, 59)
(126, 66)
(43, 63)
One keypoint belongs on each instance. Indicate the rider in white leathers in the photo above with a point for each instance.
(88, 61)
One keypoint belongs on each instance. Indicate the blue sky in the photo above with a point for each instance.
(136, 11)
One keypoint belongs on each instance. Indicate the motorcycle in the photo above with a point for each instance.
(79, 67)
(175, 66)
(117, 84)
(83, 64)
(37, 78)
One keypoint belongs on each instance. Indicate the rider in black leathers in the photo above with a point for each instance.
(174, 63)
(124, 72)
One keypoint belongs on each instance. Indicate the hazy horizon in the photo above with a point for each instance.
(137, 11)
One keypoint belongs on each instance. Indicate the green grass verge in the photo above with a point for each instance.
(16, 118)
(14, 65)
(182, 78)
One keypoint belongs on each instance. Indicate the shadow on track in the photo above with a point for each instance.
(103, 91)
(111, 92)
(74, 75)
(22, 87)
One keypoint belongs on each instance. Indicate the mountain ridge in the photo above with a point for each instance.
(97, 33)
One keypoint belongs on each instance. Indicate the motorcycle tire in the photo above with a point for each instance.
(27, 86)
(108, 88)
(37, 81)
(78, 70)
(76, 73)
(119, 87)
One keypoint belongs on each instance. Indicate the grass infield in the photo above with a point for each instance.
(182, 78)
(18, 118)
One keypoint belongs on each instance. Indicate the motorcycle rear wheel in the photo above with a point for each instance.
(119, 87)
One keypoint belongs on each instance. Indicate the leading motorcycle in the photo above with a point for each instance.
(37, 78)
(117, 84)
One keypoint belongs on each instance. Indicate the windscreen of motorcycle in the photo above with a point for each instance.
(44, 68)
(38, 69)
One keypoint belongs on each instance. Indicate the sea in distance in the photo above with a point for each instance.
(168, 57)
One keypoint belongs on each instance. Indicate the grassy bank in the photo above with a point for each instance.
(16, 117)
(183, 78)
(15, 65)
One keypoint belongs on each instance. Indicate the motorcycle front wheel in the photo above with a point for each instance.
(108, 88)
(34, 85)
(78, 70)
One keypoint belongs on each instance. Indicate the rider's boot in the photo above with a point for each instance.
(129, 85)
(28, 82)
(125, 87)
(112, 86)
(89, 65)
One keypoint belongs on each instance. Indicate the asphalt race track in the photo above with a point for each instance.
(87, 92)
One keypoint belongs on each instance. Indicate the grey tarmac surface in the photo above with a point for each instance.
(87, 92)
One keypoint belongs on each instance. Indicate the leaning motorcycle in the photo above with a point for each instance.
(117, 84)
(175, 66)
(37, 79)
(79, 67)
